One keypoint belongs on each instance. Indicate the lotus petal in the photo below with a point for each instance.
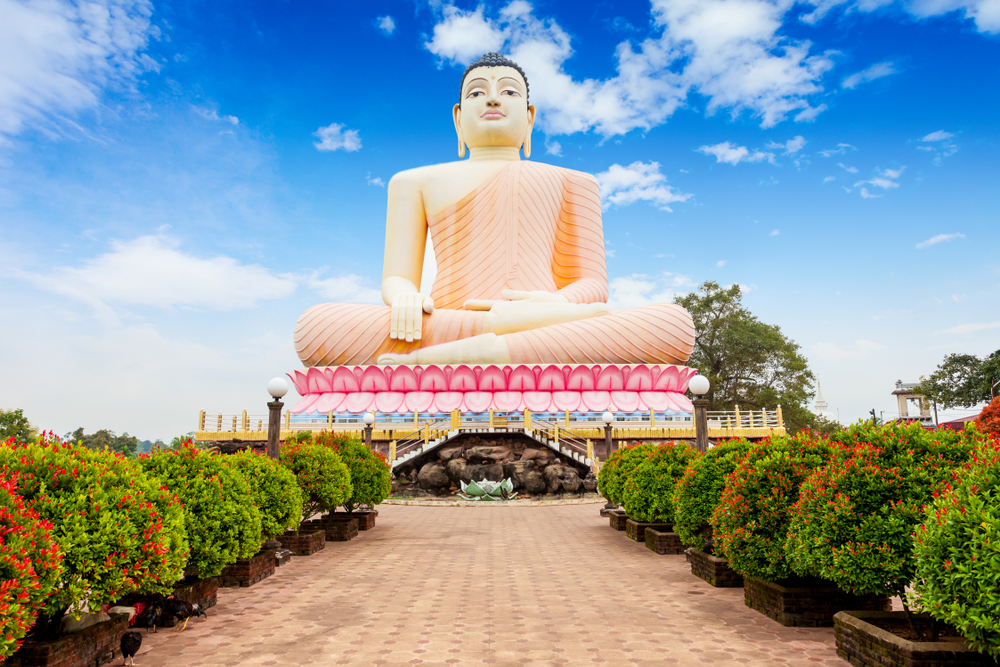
(566, 400)
(522, 379)
(610, 379)
(389, 401)
(359, 401)
(507, 400)
(446, 401)
(626, 401)
(316, 381)
(433, 379)
(419, 401)
(656, 400)
(403, 379)
(478, 401)
(639, 379)
(305, 403)
(344, 380)
(581, 378)
(537, 401)
(596, 401)
(680, 402)
(552, 379)
(329, 401)
(492, 379)
(298, 378)
(373, 379)
(463, 379)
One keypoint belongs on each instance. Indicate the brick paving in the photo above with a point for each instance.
(488, 585)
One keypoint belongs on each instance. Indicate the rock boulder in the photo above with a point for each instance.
(433, 476)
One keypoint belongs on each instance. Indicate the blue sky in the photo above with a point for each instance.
(179, 181)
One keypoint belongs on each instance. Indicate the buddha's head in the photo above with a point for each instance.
(493, 109)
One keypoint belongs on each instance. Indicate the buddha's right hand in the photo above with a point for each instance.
(407, 315)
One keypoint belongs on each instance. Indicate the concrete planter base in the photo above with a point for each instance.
(96, 645)
(713, 569)
(336, 530)
(807, 602)
(864, 644)
(663, 542)
(303, 543)
(365, 518)
(636, 530)
(617, 519)
(248, 571)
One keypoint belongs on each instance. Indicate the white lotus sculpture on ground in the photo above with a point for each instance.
(487, 490)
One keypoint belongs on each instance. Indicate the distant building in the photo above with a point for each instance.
(904, 394)
(820, 407)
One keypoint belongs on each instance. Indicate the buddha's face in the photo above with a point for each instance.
(494, 109)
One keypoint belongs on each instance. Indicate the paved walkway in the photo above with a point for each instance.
(489, 585)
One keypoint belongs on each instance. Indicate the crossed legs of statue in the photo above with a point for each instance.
(350, 334)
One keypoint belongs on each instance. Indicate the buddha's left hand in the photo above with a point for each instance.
(537, 296)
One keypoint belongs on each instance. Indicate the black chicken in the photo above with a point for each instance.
(151, 616)
(131, 641)
(182, 610)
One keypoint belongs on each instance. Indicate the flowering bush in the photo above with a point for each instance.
(370, 478)
(275, 491)
(957, 553)
(697, 492)
(648, 493)
(988, 421)
(322, 475)
(854, 519)
(119, 530)
(222, 525)
(751, 521)
(30, 565)
(618, 467)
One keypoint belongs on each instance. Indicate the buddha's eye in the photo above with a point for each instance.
(512, 93)
(474, 93)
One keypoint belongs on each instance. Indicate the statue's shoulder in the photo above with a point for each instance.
(420, 176)
(571, 176)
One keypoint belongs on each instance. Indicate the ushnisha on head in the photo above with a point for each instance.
(493, 109)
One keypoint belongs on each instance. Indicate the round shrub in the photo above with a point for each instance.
(370, 475)
(648, 492)
(618, 467)
(988, 421)
(119, 530)
(854, 519)
(30, 565)
(957, 553)
(275, 491)
(697, 492)
(324, 479)
(222, 525)
(751, 521)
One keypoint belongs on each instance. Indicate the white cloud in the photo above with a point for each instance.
(834, 352)
(386, 25)
(841, 148)
(152, 271)
(962, 329)
(876, 71)
(940, 135)
(790, 147)
(726, 50)
(553, 148)
(641, 290)
(940, 238)
(212, 114)
(885, 180)
(829, 178)
(334, 137)
(775, 232)
(985, 13)
(733, 154)
(57, 57)
(721, 263)
(375, 181)
(345, 289)
(850, 170)
(621, 186)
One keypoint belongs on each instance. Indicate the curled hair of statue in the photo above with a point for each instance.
(494, 59)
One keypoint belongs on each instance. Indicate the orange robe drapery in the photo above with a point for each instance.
(529, 227)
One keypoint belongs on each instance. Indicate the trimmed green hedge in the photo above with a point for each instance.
(648, 493)
(323, 477)
(370, 475)
(275, 490)
(616, 470)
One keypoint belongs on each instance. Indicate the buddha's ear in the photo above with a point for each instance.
(456, 114)
(527, 134)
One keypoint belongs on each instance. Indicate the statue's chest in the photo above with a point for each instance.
(514, 216)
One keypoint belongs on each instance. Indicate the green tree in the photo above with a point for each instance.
(962, 380)
(749, 363)
(106, 440)
(13, 424)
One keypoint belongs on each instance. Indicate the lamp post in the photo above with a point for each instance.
(699, 386)
(277, 387)
(369, 419)
(607, 418)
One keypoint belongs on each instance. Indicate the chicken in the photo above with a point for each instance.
(183, 611)
(131, 641)
(151, 616)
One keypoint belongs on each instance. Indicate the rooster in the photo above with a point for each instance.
(182, 610)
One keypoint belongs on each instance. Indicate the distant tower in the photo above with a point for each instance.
(820, 407)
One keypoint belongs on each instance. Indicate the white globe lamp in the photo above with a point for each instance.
(277, 387)
(607, 418)
(699, 385)
(369, 419)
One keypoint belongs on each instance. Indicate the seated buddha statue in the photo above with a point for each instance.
(520, 253)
